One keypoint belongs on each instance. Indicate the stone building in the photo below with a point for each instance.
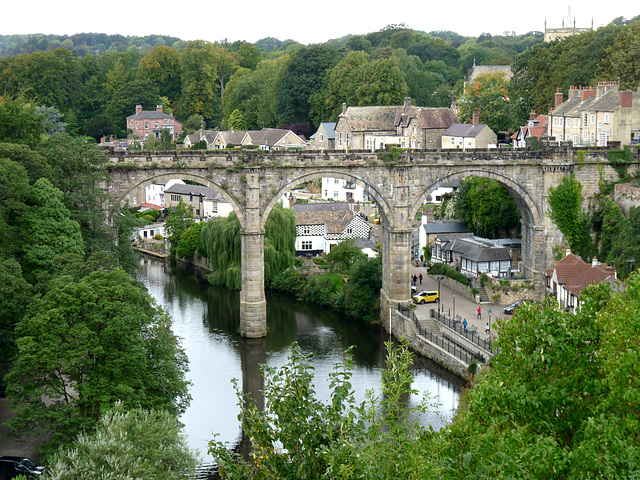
(205, 202)
(406, 126)
(596, 116)
(324, 138)
(551, 34)
(468, 136)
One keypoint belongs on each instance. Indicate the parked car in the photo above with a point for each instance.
(426, 297)
(635, 141)
(11, 467)
(509, 309)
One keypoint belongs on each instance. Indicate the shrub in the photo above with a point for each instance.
(442, 269)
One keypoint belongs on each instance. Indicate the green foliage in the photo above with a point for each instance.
(488, 95)
(620, 160)
(391, 156)
(141, 444)
(220, 238)
(93, 341)
(178, 220)
(19, 122)
(297, 436)
(279, 241)
(344, 255)
(487, 208)
(447, 271)
(190, 242)
(236, 121)
(566, 211)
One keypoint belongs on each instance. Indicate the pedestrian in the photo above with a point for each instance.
(415, 279)
(479, 317)
(420, 278)
(464, 324)
(487, 329)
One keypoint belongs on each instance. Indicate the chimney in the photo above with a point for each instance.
(138, 109)
(626, 99)
(344, 108)
(559, 98)
(567, 251)
(588, 92)
(594, 262)
(407, 102)
(532, 115)
(574, 91)
(103, 139)
(476, 117)
(604, 87)
(159, 108)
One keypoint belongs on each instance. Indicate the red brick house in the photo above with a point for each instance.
(146, 122)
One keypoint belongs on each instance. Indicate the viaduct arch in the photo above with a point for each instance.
(254, 182)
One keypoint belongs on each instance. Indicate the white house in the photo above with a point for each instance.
(150, 231)
(205, 202)
(154, 193)
(472, 255)
(427, 232)
(320, 226)
(343, 190)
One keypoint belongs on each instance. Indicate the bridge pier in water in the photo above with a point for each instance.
(253, 304)
(396, 272)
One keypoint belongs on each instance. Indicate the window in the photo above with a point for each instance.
(575, 139)
(349, 230)
(606, 118)
(307, 245)
(326, 193)
(340, 138)
(321, 137)
(146, 124)
(306, 230)
(453, 141)
(336, 180)
(214, 207)
(576, 122)
(560, 121)
(592, 118)
(555, 121)
(175, 198)
(335, 194)
(156, 124)
(585, 120)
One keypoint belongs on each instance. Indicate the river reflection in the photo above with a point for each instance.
(207, 320)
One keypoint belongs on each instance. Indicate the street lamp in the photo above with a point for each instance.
(489, 311)
(454, 304)
(439, 299)
(631, 262)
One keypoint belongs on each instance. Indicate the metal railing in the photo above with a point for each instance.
(440, 342)
(470, 335)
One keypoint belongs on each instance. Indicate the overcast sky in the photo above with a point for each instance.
(305, 22)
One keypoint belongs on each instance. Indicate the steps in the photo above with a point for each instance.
(484, 296)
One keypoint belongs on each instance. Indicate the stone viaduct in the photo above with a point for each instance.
(253, 182)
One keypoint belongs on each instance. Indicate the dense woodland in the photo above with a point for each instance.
(95, 80)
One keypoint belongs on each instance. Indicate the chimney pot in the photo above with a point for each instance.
(158, 108)
(138, 109)
(559, 98)
(476, 117)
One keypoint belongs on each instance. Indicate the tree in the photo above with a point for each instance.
(190, 242)
(487, 208)
(49, 233)
(344, 255)
(302, 77)
(15, 295)
(487, 94)
(621, 61)
(19, 122)
(141, 444)
(249, 56)
(14, 192)
(236, 121)
(179, 219)
(93, 342)
(161, 66)
(199, 81)
(566, 211)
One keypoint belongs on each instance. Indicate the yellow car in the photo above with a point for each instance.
(426, 297)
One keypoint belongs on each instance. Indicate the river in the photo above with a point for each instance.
(206, 318)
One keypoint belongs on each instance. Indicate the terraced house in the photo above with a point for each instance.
(596, 116)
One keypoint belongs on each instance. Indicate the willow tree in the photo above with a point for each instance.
(221, 241)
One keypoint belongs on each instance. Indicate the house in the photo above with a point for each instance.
(198, 136)
(571, 275)
(596, 116)
(324, 138)
(273, 139)
(205, 202)
(154, 193)
(368, 247)
(145, 122)
(405, 126)
(472, 255)
(320, 226)
(227, 139)
(469, 136)
(343, 190)
(427, 232)
(536, 127)
(148, 231)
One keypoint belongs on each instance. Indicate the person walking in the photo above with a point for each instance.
(479, 317)
(464, 324)
(415, 279)
(487, 329)
(420, 278)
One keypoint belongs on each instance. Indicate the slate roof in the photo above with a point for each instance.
(477, 249)
(428, 117)
(149, 115)
(372, 119)
(233, 137)
(466, 130)
(445, 226)
(329, 129)
(335, 216)
(268, 136)
(478, 70)
(362, 243)
(182, 189)
(607, 102)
